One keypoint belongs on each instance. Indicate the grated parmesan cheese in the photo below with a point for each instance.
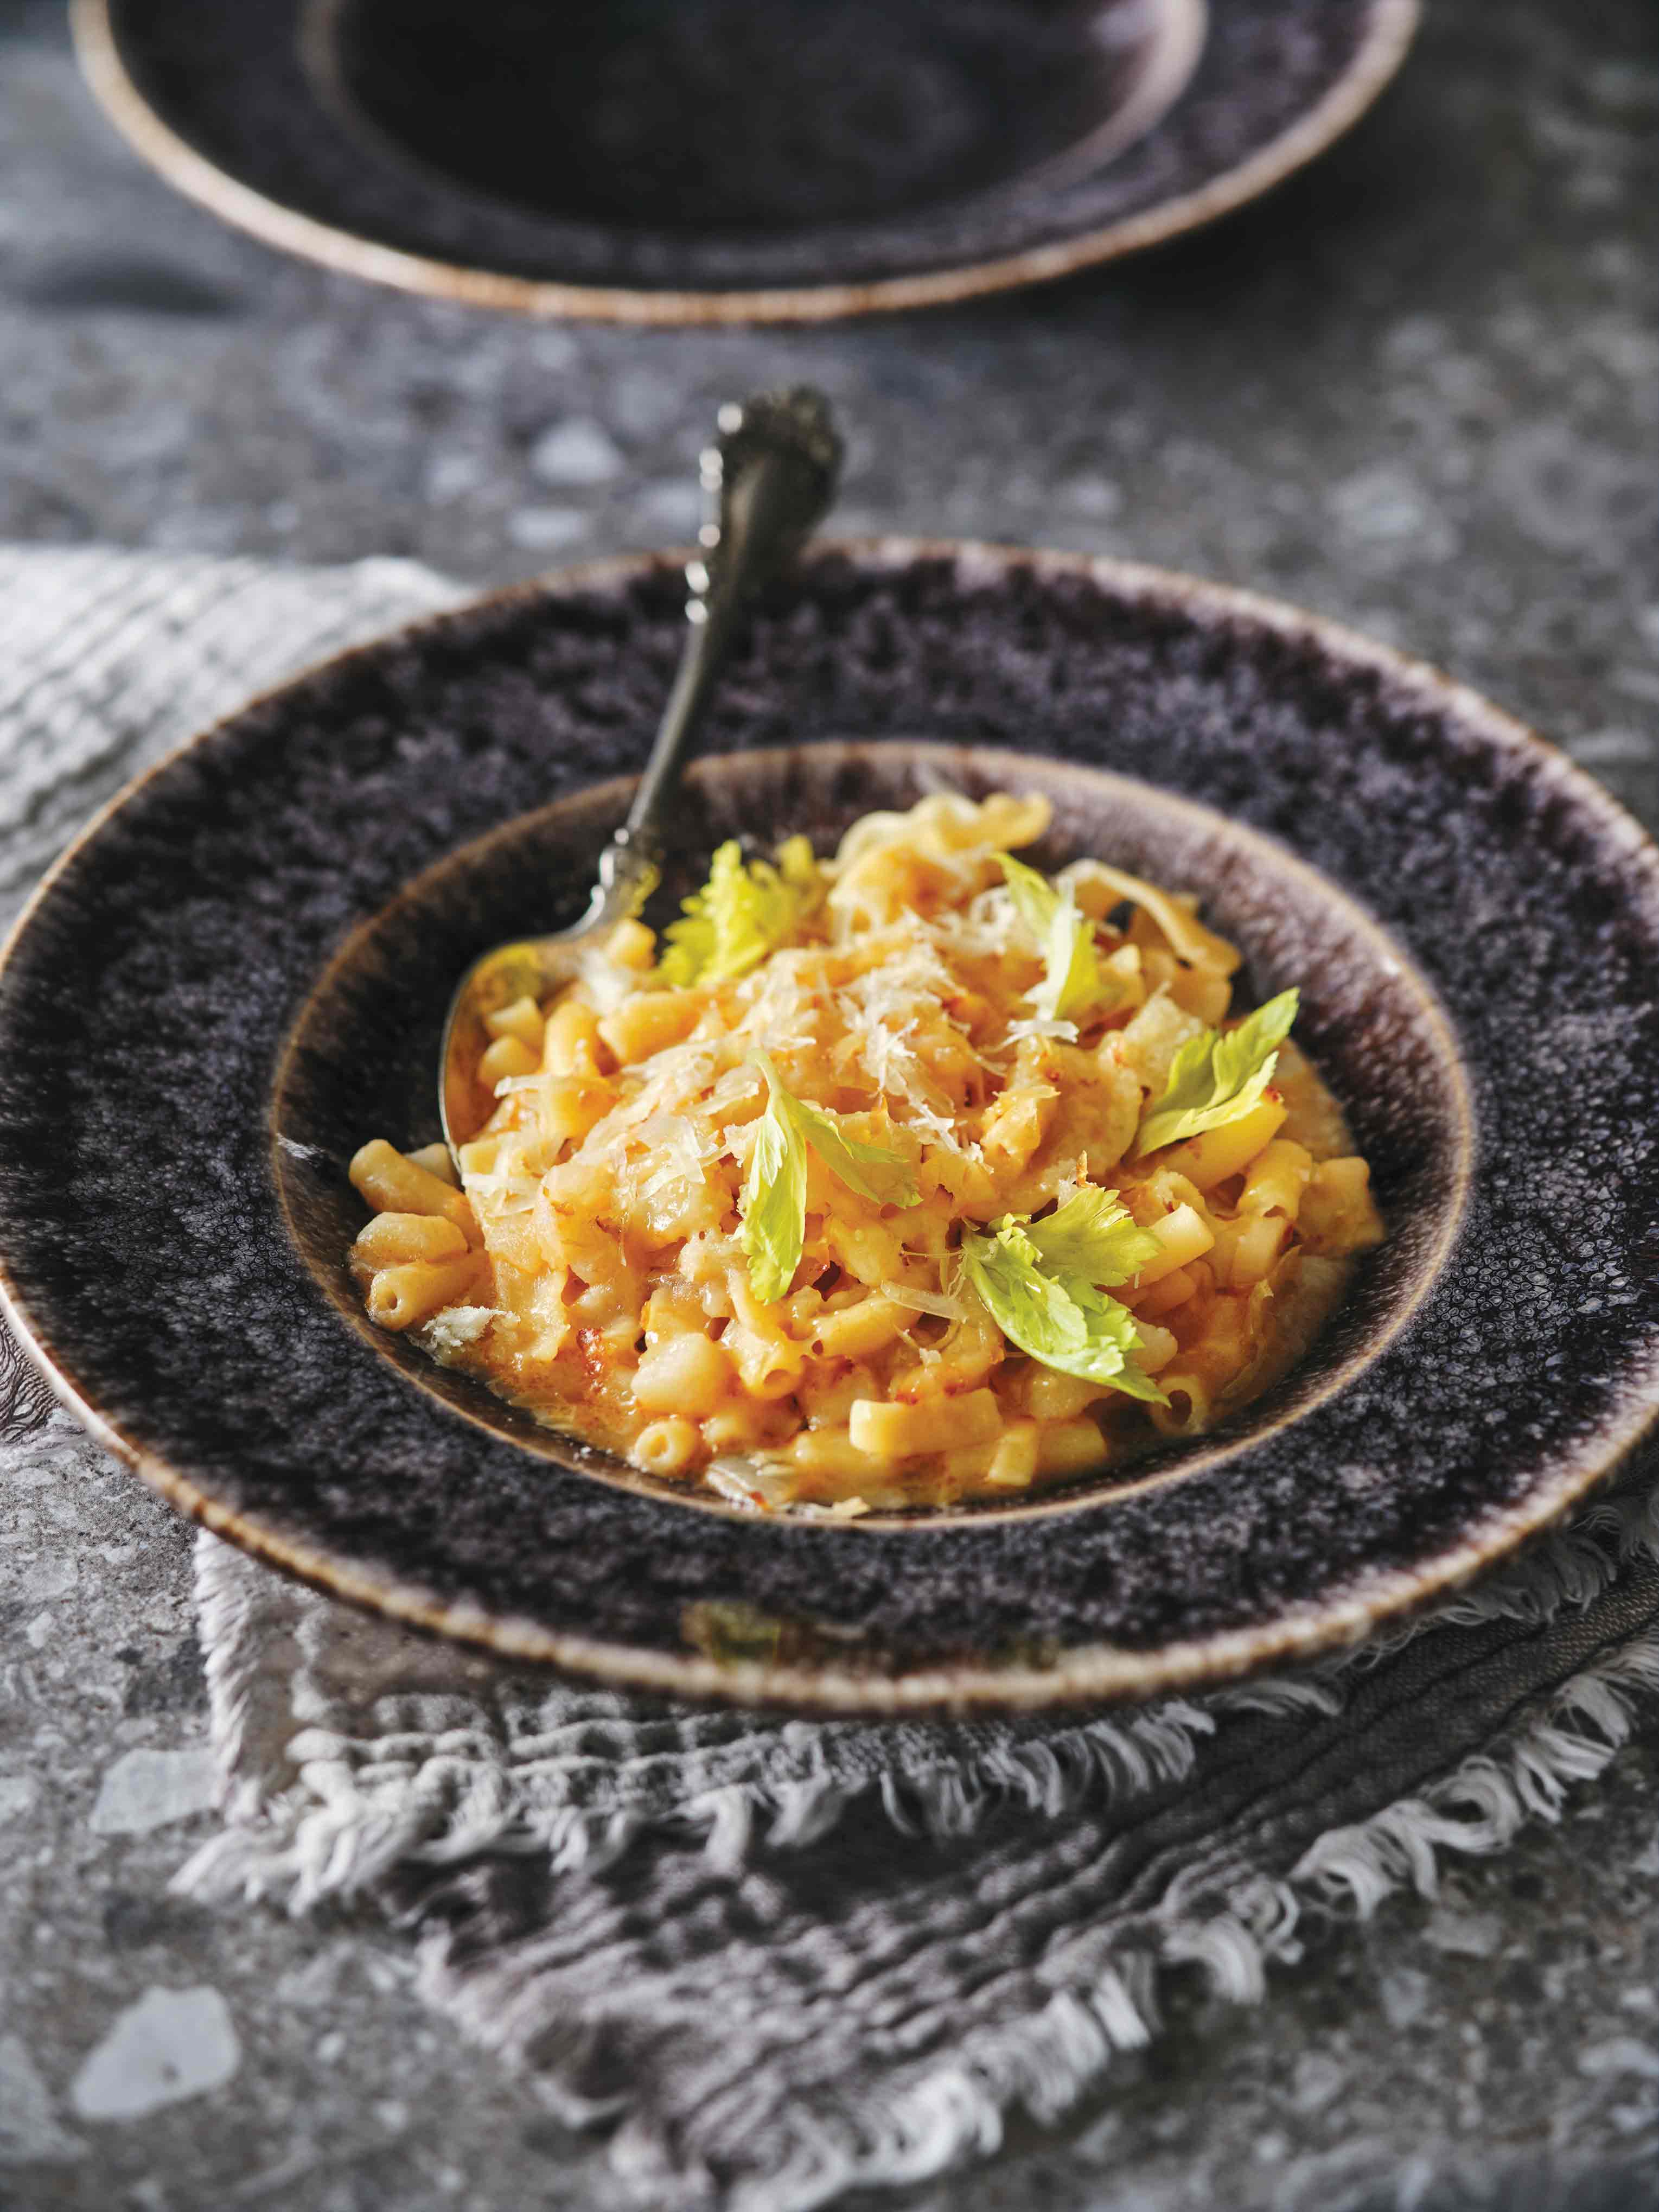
(939, 1304)
(1060, 1032)
(456, 1327)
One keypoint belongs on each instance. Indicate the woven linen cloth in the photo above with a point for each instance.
(777, 1958)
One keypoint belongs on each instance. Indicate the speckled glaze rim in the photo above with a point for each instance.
(1102, 1672)
(1388, 36)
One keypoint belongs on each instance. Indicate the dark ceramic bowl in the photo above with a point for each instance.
(710, 161)
(241, 969)
(361, 1059)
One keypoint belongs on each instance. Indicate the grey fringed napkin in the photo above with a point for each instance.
(782, 1957)
(785, 1957)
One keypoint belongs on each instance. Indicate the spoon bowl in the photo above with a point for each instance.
(773, 471)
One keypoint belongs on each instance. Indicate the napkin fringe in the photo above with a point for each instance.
(1045, 2063)
(321, 1838)
(302, 1852)
(26, 1398)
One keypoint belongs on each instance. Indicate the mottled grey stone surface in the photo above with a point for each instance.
(1416, 391)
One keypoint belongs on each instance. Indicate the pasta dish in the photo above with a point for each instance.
(900, 1177)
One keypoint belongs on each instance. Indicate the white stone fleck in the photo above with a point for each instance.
(53, 1575)
(1404, 1995)
(577, 451)
(1385, 507)
(549, 347)
(1416, 339)
(319, 1980)
(544, 529)
(1097, 497)
(672, 506)
(452, 476)
(1611, 748)
(16, 1795)
(38, 1630)
(1620, 2054)
(172, 2044)
(1318, 2081)
(1467, 1935)
(146, 1790)
(28, 2131)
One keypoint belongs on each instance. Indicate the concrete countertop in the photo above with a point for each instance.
(1414, 390)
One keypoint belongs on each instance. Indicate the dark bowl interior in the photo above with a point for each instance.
(747, 115)
(362, 1058)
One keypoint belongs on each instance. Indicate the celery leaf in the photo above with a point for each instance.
(1216, 1078)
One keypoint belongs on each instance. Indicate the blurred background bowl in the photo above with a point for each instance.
(729, 160)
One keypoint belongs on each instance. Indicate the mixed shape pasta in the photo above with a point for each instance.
(900, 1178)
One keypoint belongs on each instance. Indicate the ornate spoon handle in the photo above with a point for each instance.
(775, 468)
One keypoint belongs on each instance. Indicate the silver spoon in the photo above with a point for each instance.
(774, 467)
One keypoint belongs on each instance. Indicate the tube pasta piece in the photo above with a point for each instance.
(831, 1452)
(1068, 1448)
(687, 1374)
(739, 1426)
(648, 1022)
(1338, 1215)
(1219, 1154)
(391, 1184)
(435, 1159)
(667, 1447)
(1169, 1292)
(412, 1290)
(1247, 1250)
(1277, 1178)
(887, 1430)
(631, 944)
(858, 1330)
(522, 1019)
(1182, 1235)
(1187, 1407)
(901, 1177)
(1015, 1456)
(570, 1107)
(1052, 1396)
(1159, 1346)
(392, 1237)
(504, 1059)
(570, 1041)
(1149, 1041)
